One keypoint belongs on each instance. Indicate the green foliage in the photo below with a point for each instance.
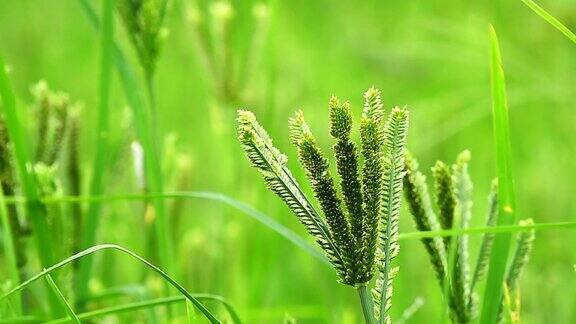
(453, 271)
(366, 224)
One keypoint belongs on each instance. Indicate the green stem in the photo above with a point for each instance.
(367, 304)
(102, 143)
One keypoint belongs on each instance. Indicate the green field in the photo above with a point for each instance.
(152, 132)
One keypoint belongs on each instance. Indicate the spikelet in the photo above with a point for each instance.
(521, 257)
(143, 19)
(395, 134)
(272, 165)
(445, 199)
(488, 238)
(347, 166)
(317, 170)
(461, 272)
(52, 108)
(418, 199)
(524, 243)
(371, 134)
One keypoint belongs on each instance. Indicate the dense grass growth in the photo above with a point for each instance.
(118, 133)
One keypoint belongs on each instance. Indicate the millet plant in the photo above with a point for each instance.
(358, 230)
(449, 256)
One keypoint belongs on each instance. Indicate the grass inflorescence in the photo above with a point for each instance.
(360, 235)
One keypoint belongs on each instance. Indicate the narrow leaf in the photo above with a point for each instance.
(507, 201)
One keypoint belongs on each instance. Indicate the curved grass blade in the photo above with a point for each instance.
(507, 201)
(550, 19)
(131, 307)
(214, 196)
(72, 316)
(100, 161)
(100, 247)
(265, 219)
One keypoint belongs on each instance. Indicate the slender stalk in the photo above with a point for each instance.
(72, 317)
(142, 119)
(367, 304)
(100, 160)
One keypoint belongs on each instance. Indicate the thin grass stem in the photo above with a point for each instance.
(367, 304)
(102, 143)
(72, 316)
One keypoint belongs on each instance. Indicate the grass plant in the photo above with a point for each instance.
(68, 182)
(351, 233)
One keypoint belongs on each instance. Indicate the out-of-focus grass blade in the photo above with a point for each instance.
(550, 19)
(131, 307)
(24, 165)
(73, 318)
(35, 210)
(99, 165)
(485, 230)
(100, 247)
(507, 203)
(10, 252)
(142, 121)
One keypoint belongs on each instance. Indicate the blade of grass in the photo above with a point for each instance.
(489, 229)
(21, 320)
(131, 307)
(550, 19)
(190, 313)
(279, 228)
(24, 165)
(10, 252)
(142, 120)
(100, 247)
(507, 206)
(100, 161)
(213, 196)
(36, 212)
(72, 316)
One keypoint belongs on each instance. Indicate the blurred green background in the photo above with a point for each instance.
(431, 56)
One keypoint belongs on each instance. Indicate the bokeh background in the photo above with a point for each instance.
(431, 56)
